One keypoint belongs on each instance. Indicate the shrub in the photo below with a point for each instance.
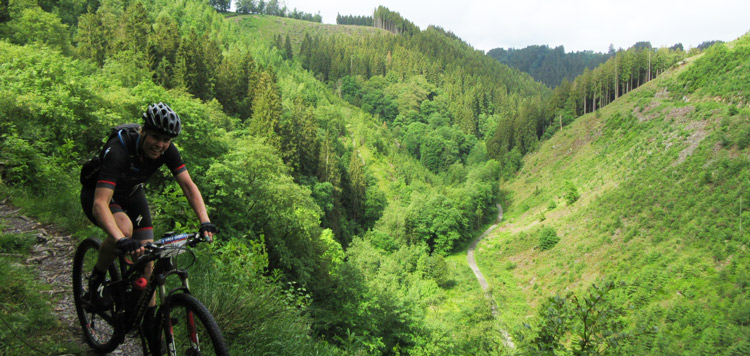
(571, 193)
(548, 238)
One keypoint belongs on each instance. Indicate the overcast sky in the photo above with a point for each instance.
(576, 24)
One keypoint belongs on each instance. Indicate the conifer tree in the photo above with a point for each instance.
(185, 63)
(192, 70)
(267, 109)
(4, 13)
(501, 141)
(137, 27)
(305, 51)
(235, 82)
(92, 43)
(111, 14)
(328, 162)
(358, 186)
(307, 138)
(212, 57)
(164, 42)
(288, 54)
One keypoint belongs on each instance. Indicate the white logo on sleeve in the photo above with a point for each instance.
(138, 220)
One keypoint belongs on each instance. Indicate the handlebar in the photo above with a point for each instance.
(170, 243)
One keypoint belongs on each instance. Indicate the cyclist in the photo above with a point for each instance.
(116, 202)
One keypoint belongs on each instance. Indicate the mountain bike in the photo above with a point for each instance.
(183, 325)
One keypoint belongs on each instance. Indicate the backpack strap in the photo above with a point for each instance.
(126, 130)
(122, 141)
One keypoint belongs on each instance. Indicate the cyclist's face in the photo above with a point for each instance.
(154, 144)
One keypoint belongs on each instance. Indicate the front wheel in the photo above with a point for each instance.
(99, 326)
(189, 328)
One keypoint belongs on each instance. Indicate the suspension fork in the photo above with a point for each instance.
(165, 269)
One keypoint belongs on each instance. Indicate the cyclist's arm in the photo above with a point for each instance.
(102, 197)
(193, 196)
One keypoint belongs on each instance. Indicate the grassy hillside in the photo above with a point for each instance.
(267, 27)
(662, 179)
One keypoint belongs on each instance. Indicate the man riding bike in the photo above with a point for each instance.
(116, 202)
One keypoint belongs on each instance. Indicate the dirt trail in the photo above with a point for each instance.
(483, 282)
(52, 258)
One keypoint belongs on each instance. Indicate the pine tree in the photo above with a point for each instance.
(4, 13)
(185, 74)
(164, 42)
(212, 57)
(501, 141)
(137, 28)
(267, 109)
(328, 162)
(92, 43)
(111, 14)
(192, 70)
(358, 186)
(235, 83)
(307, 138)
(288, 54)
(305, 51)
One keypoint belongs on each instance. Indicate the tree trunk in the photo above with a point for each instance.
(584, 103)
(617, 83)
(593, 100)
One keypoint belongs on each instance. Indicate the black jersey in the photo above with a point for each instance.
(124, 167)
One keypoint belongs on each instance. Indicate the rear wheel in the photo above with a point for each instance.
(189, 328)
(99, 326)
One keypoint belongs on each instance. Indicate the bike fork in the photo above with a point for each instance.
(169, 323)
(191, 330)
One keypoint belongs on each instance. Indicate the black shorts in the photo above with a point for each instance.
(135, 206)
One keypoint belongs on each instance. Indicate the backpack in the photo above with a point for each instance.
(90, 169)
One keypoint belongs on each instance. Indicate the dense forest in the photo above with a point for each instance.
(334, 218)
(549, 65)
(553, 66)
(344, 169)
(354, 20)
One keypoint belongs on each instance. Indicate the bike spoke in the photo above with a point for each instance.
(98, 326)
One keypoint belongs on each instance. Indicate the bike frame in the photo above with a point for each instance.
(131, 313)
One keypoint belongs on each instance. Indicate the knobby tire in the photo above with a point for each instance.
(189, 328)
(99, 327)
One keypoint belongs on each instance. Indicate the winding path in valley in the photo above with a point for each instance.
(470, 257)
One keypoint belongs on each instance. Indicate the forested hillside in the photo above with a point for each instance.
(636, 217)
(346, 166)
(549, 65)
(339, 179)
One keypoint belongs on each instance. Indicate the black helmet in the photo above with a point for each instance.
(161, 118)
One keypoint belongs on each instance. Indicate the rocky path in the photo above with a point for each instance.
(52, 258)
(470, 257)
